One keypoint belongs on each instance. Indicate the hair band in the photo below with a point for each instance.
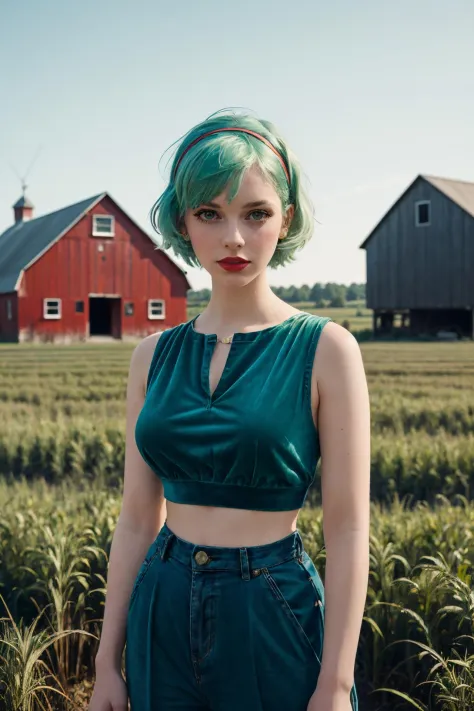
(242, 130)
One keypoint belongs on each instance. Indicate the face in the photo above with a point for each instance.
(248, 227)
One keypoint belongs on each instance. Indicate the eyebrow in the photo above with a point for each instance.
(257, 203)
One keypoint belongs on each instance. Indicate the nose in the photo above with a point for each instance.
(233, 236)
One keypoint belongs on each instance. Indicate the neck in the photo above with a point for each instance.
(231, 309)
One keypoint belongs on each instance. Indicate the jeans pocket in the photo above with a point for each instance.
(314, 578)
(299, 599)
(152, 552)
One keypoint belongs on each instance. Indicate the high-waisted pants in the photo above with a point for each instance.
(212, 628)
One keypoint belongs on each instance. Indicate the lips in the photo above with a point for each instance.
(231, 260)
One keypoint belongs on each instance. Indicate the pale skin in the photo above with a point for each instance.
(243, 301)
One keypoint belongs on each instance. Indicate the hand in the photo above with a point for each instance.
(327, 699)
(110, 692)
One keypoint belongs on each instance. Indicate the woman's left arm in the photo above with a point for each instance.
(344, 431)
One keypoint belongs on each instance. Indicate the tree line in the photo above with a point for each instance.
(320, 295)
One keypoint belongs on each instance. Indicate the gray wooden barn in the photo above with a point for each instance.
(420, 260)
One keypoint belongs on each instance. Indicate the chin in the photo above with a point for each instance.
(238, 278)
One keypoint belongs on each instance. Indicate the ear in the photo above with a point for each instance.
(290, 211)
(182, 228)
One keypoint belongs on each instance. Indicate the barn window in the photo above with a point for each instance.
(423, 213)
(52, 308)
(103, 225)
(128, 308)
(9, 310)
(79, 307)
(156, 308)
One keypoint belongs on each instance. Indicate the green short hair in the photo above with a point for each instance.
(218, 162)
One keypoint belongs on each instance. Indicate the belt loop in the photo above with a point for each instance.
(165, 545)
(244, 564)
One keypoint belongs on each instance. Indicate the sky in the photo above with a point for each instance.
(368, 94)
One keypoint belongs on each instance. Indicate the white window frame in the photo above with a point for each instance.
(151, 305)
(9, 310)
(417, 205)
(100, 233)
(47, 302)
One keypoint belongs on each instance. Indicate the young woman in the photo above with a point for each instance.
(209, 583)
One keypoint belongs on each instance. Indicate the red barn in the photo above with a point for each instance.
(87, 270)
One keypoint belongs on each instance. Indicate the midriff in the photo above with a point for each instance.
(221, 526)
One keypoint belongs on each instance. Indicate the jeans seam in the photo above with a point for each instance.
(194, 657)
(310, 578)
(144, 572)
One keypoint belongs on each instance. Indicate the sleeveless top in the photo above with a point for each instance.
(253, 443)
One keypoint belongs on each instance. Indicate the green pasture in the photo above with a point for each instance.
(62, 427)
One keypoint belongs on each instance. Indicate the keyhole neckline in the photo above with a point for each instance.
(245, 335)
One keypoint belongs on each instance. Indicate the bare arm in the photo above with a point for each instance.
(142, 514)
(344, 427)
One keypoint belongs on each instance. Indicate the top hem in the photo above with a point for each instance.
(234, 496)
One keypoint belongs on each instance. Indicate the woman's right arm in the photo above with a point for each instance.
(142, 514)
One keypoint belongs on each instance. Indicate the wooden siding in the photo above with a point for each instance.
(426, 267)
(129, 267)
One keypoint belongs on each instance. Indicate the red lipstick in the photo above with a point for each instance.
(233, 264)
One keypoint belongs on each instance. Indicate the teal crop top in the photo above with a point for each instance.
(253, 443)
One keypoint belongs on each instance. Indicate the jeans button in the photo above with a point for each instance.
(201, 557)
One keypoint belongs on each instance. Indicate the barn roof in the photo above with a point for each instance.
(24, 242)
(459, 191)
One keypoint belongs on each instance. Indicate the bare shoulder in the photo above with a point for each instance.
(335, 340)
(141, 358)
(336, 346)
(338, 355)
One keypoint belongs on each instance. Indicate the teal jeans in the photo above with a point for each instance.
(211, 628)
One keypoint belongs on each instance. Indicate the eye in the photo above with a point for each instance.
(206, 215)
(258, 215)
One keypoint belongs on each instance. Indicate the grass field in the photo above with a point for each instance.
(62, 411)
(62, 424)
